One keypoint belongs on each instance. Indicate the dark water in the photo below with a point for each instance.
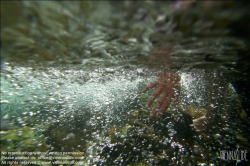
(72, 75)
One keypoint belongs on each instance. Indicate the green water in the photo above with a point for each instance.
(72, 74)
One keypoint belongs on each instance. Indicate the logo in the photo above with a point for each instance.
(236, 155)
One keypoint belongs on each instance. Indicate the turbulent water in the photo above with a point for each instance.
(72, 75)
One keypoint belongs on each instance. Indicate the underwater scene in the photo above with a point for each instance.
(128, 83)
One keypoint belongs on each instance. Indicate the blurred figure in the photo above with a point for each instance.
(168, 89)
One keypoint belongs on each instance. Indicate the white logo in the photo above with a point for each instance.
(237, 155)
